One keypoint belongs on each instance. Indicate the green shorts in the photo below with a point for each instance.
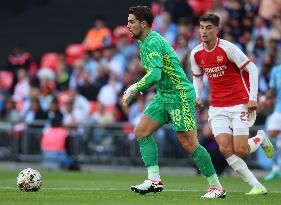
(177, 107)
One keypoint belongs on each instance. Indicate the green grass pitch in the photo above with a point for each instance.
(92, 188)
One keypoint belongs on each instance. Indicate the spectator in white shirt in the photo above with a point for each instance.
(108, 94)
(22, 87)
(76, 110)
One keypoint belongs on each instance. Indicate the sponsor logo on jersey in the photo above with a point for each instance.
(219, 59)
(214, 72)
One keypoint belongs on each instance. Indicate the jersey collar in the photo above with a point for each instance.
(217, 43)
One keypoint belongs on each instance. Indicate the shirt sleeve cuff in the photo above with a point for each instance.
(244, 65)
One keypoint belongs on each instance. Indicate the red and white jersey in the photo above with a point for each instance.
(224, 66)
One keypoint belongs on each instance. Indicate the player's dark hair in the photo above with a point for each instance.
(213, 18)
(142, 13)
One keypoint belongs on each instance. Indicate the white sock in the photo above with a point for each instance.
(153, 173)
(241, 168)
(254, 143)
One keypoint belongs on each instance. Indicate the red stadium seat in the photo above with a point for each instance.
(93, 107)
(121, 31)
(74, 52)
(6, 80)
(200, 7)
(50, 60)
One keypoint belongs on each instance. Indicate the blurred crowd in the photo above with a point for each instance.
(85, 83)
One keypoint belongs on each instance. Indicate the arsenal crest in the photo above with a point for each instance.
(219, 59)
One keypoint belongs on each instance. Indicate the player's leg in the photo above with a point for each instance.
(241, 168)
(148, 146)
(276, 161)
(154, 117)
(203, 162)
(184, 123)
(236, 163)
(225, 142)
(222, 129)
(244, 146)
(274, 128)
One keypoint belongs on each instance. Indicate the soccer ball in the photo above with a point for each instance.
(29, 180)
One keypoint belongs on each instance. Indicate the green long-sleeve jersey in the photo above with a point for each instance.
(162, 66)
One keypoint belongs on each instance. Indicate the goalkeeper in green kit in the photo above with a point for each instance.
(174, 101)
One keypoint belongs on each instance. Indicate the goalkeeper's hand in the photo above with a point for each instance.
(129, 94)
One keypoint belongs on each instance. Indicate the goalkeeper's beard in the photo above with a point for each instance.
(136, 36)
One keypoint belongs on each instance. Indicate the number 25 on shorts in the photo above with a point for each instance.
(244, 116)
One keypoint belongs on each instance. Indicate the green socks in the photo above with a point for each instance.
(149, 153)
(203, 161)
(148, 150)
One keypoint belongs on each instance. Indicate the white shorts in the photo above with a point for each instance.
(233, 120)
(274, 121)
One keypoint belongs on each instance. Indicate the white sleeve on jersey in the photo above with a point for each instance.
(234, 54)
(198, 85)
(254, 79)
(196, 70)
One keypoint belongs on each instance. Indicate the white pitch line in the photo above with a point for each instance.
(113, 189)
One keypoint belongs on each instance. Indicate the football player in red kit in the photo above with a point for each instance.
(233, 81)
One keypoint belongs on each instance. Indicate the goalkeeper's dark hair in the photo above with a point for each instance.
(213, 18)
(142, 13)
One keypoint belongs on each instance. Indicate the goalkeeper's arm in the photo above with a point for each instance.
(152, 76)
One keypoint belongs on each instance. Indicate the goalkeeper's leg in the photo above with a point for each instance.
(202, 159)
(149, 153)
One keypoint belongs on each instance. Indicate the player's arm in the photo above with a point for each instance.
(152, 76)
(243, 63)
(154, 57)
(197, 79)
(253, 78)
(235, 55)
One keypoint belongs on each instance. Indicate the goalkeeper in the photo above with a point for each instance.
(175, 101)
